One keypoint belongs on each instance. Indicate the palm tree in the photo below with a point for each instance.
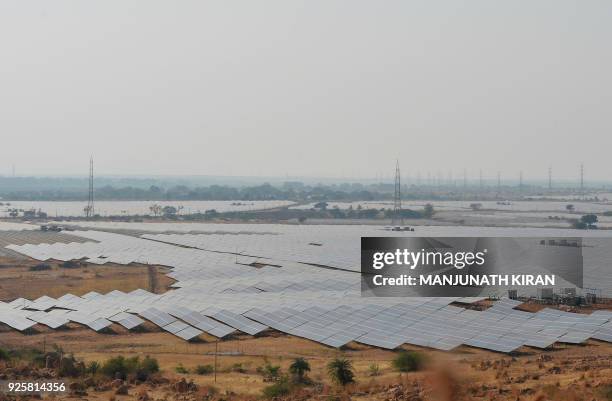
(298, 368)
(341, 371)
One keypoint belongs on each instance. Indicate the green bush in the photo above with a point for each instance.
(4, 355)
(40, 267)
(115, 367)
(374, 370)
(238, 368)
(269, 372)
(120, 367)
(278, 389)
(93, 367)
(146, 368)
(70, 264)
(407, 361)
(181, 369)
(204, 369)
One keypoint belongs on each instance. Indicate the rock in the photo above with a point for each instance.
(122, 390)
(116, 383)
(143, 395)
(181, 386)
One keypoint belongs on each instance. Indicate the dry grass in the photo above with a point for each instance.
(59, 281)
(478, 373)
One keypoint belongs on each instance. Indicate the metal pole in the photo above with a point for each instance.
(216, 352)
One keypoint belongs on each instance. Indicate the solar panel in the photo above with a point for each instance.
(202, 322)
(323, 305)
(188, 333)
(99, 324)
(239, 322)
(127, 320)
(157, 316)
(15, 321)
(176, 326)
(49, 320)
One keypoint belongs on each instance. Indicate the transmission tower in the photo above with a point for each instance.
(582, 180)
(398, 219)
(550, 179)
(89, 209)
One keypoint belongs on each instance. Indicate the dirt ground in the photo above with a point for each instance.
(78, 281)
(565, 372)
(472, 374)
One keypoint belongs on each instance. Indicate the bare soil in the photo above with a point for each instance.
(17, 280)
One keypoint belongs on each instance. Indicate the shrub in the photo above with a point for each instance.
(238, 368)
(408, 361)
(4, 355)
(204, 369)
(209, 391)
(40, 267)
(119, 367)
(428, 211)
(181, 369)
(579, 225)
(146, 368)
(93, 367)
(606, 391)
(374, 370)
(269, 372)
(278, 389)
(69, 367)
(340, 370)
(70, 264)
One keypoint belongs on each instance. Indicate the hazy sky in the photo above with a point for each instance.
(306, 88)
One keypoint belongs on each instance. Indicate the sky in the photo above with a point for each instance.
(317, 88)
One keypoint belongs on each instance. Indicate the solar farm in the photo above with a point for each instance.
(303, 281)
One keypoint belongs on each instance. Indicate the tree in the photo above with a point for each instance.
(589, 220)
(320, 205)
(476, 206)
(340, 370)
(298, 369)
(169, 211)
(407, 361)
(428, 211)
(155, 209)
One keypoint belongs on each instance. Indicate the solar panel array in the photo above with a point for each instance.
(219, 290)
